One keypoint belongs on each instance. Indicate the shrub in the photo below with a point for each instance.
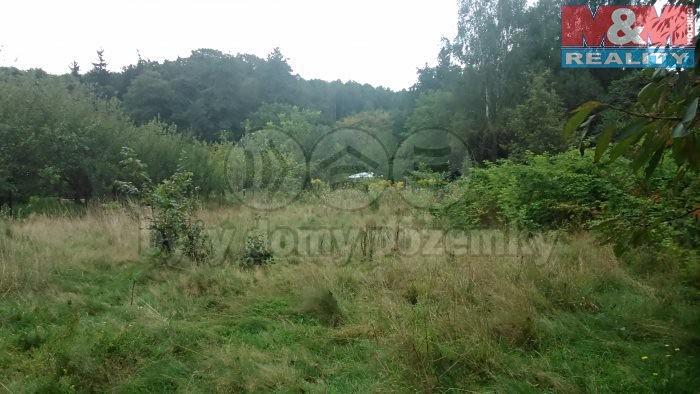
(567, 191)
(543, 193)
(256, 251)
(173, 227)
(195, 243)
(319, 186)
(425, 177)
(135, 181)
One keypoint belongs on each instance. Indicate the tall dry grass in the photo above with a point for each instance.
(422, 322)
(34, 248)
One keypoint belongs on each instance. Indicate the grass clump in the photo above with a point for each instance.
(321, 304)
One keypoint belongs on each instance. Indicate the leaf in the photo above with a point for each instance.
(682, 84)
(659, 74)
(632, 134)
(579, 115)
(654, 162)
(649, 94)
(633, 127)
(652, 144)
(603, 142)
(690, 112)
(587, 123)
(581, 146)
(680, 131)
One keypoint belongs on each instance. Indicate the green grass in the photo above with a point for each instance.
(82, 311)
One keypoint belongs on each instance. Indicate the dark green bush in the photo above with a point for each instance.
(60, 140)
(572, 192)
(173, 226)
(542, 193)
(256, 251)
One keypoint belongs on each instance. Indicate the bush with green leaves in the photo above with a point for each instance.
(173, 225)
(60, 140)
(544, 192)
(550, 192)
(195, 243)
(425, 177)
(256, 251)
(537, 122)
(260, 166)
(134, 182)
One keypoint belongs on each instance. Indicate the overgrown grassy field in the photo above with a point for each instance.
(85, 307)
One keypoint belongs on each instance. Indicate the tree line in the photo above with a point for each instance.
(497, 85)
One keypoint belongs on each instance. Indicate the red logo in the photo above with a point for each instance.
(635, 26)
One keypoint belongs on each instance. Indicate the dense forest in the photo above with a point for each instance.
(501, 99)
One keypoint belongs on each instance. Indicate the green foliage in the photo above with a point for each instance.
(485, 74)
(543, 193)
(78, 312)
(195, 242)
(537, 121)
(378, 124)
(264, 164)
(256, 252)
(100, 79)
(173, 226)
(566, 191)
(427, 178)
(210, 91)
(268, 114)
(149, 97)
(58, 139)
(436, 109)
(650, 116)
(662, 210)
(134, 181)
(302, 128)
(159, 146)
(207, 163)
(62, 141)
(575, 86)
(661, 121)
(49, 206)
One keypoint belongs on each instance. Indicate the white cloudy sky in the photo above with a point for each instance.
(381, 42)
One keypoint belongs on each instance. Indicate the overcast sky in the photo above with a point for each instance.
(381, 42)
